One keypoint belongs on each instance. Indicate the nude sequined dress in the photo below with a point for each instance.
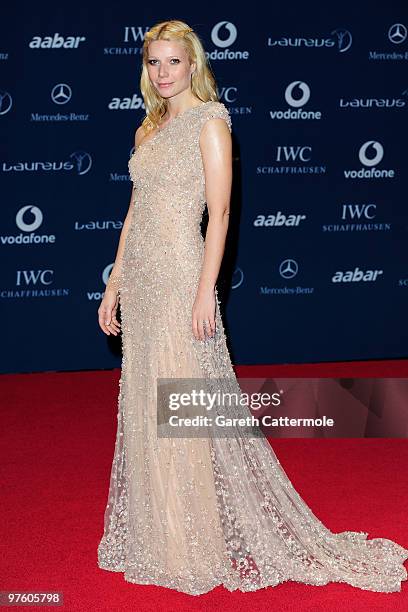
(194, 513)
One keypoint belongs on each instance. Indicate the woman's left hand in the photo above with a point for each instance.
(204, 314)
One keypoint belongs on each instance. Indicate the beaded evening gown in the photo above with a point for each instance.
(194, 513)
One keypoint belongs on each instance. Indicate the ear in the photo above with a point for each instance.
(193, 67)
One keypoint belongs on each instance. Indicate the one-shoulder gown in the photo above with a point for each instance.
(193, 513)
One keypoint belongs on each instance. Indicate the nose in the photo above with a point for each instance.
(162, 70)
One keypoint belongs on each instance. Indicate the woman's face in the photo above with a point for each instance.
(168, 67)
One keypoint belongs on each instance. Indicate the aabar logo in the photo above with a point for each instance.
(128, 103)
(56, 42)
(356, 276)
(278, 220)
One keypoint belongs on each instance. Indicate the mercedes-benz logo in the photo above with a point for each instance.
(397, 33)
(288, 268)
(61, 93)
(6, 102)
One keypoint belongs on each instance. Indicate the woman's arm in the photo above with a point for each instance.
(114, 278)
(216, 151)
(113, 281)
(109, 305)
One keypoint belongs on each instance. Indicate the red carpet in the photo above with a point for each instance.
(58, 435)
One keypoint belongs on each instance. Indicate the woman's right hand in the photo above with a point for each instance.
(107, 313)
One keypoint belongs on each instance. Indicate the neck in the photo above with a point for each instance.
(177, 107)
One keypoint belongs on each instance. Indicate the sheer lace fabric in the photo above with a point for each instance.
(191, 514)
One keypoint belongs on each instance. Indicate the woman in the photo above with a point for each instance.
(193, 513)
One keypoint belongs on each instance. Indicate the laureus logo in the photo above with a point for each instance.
(6, 102)
(237, 278)
(82, 162)
(339, 39)
(373, 103)
(343, 38)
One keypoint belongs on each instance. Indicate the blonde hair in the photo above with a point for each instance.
(203, 84)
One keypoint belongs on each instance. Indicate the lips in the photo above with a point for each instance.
(165, 84)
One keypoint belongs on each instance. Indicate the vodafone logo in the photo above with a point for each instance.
(106, 273)
(224, 41)
(304, 91)
(28, 219)
(370, 154)
(36, 217)
(378, 153)
(223, 35)
(296, 95)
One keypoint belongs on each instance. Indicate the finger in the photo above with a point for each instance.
(206, 328)
(102, 325)
(195, 328)
(210, 329)
(201, 331)
(114, 324)
(113, 330)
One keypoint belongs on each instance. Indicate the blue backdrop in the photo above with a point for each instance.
(316, 263)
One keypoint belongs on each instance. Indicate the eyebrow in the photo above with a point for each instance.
(168, 57)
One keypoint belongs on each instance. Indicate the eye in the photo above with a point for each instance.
(176, 60)
(151, 61)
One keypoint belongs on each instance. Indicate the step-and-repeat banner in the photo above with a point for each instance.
(316, 262)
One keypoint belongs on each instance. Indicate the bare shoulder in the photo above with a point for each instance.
(216, 128)
(213, 111)
(139, 135)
